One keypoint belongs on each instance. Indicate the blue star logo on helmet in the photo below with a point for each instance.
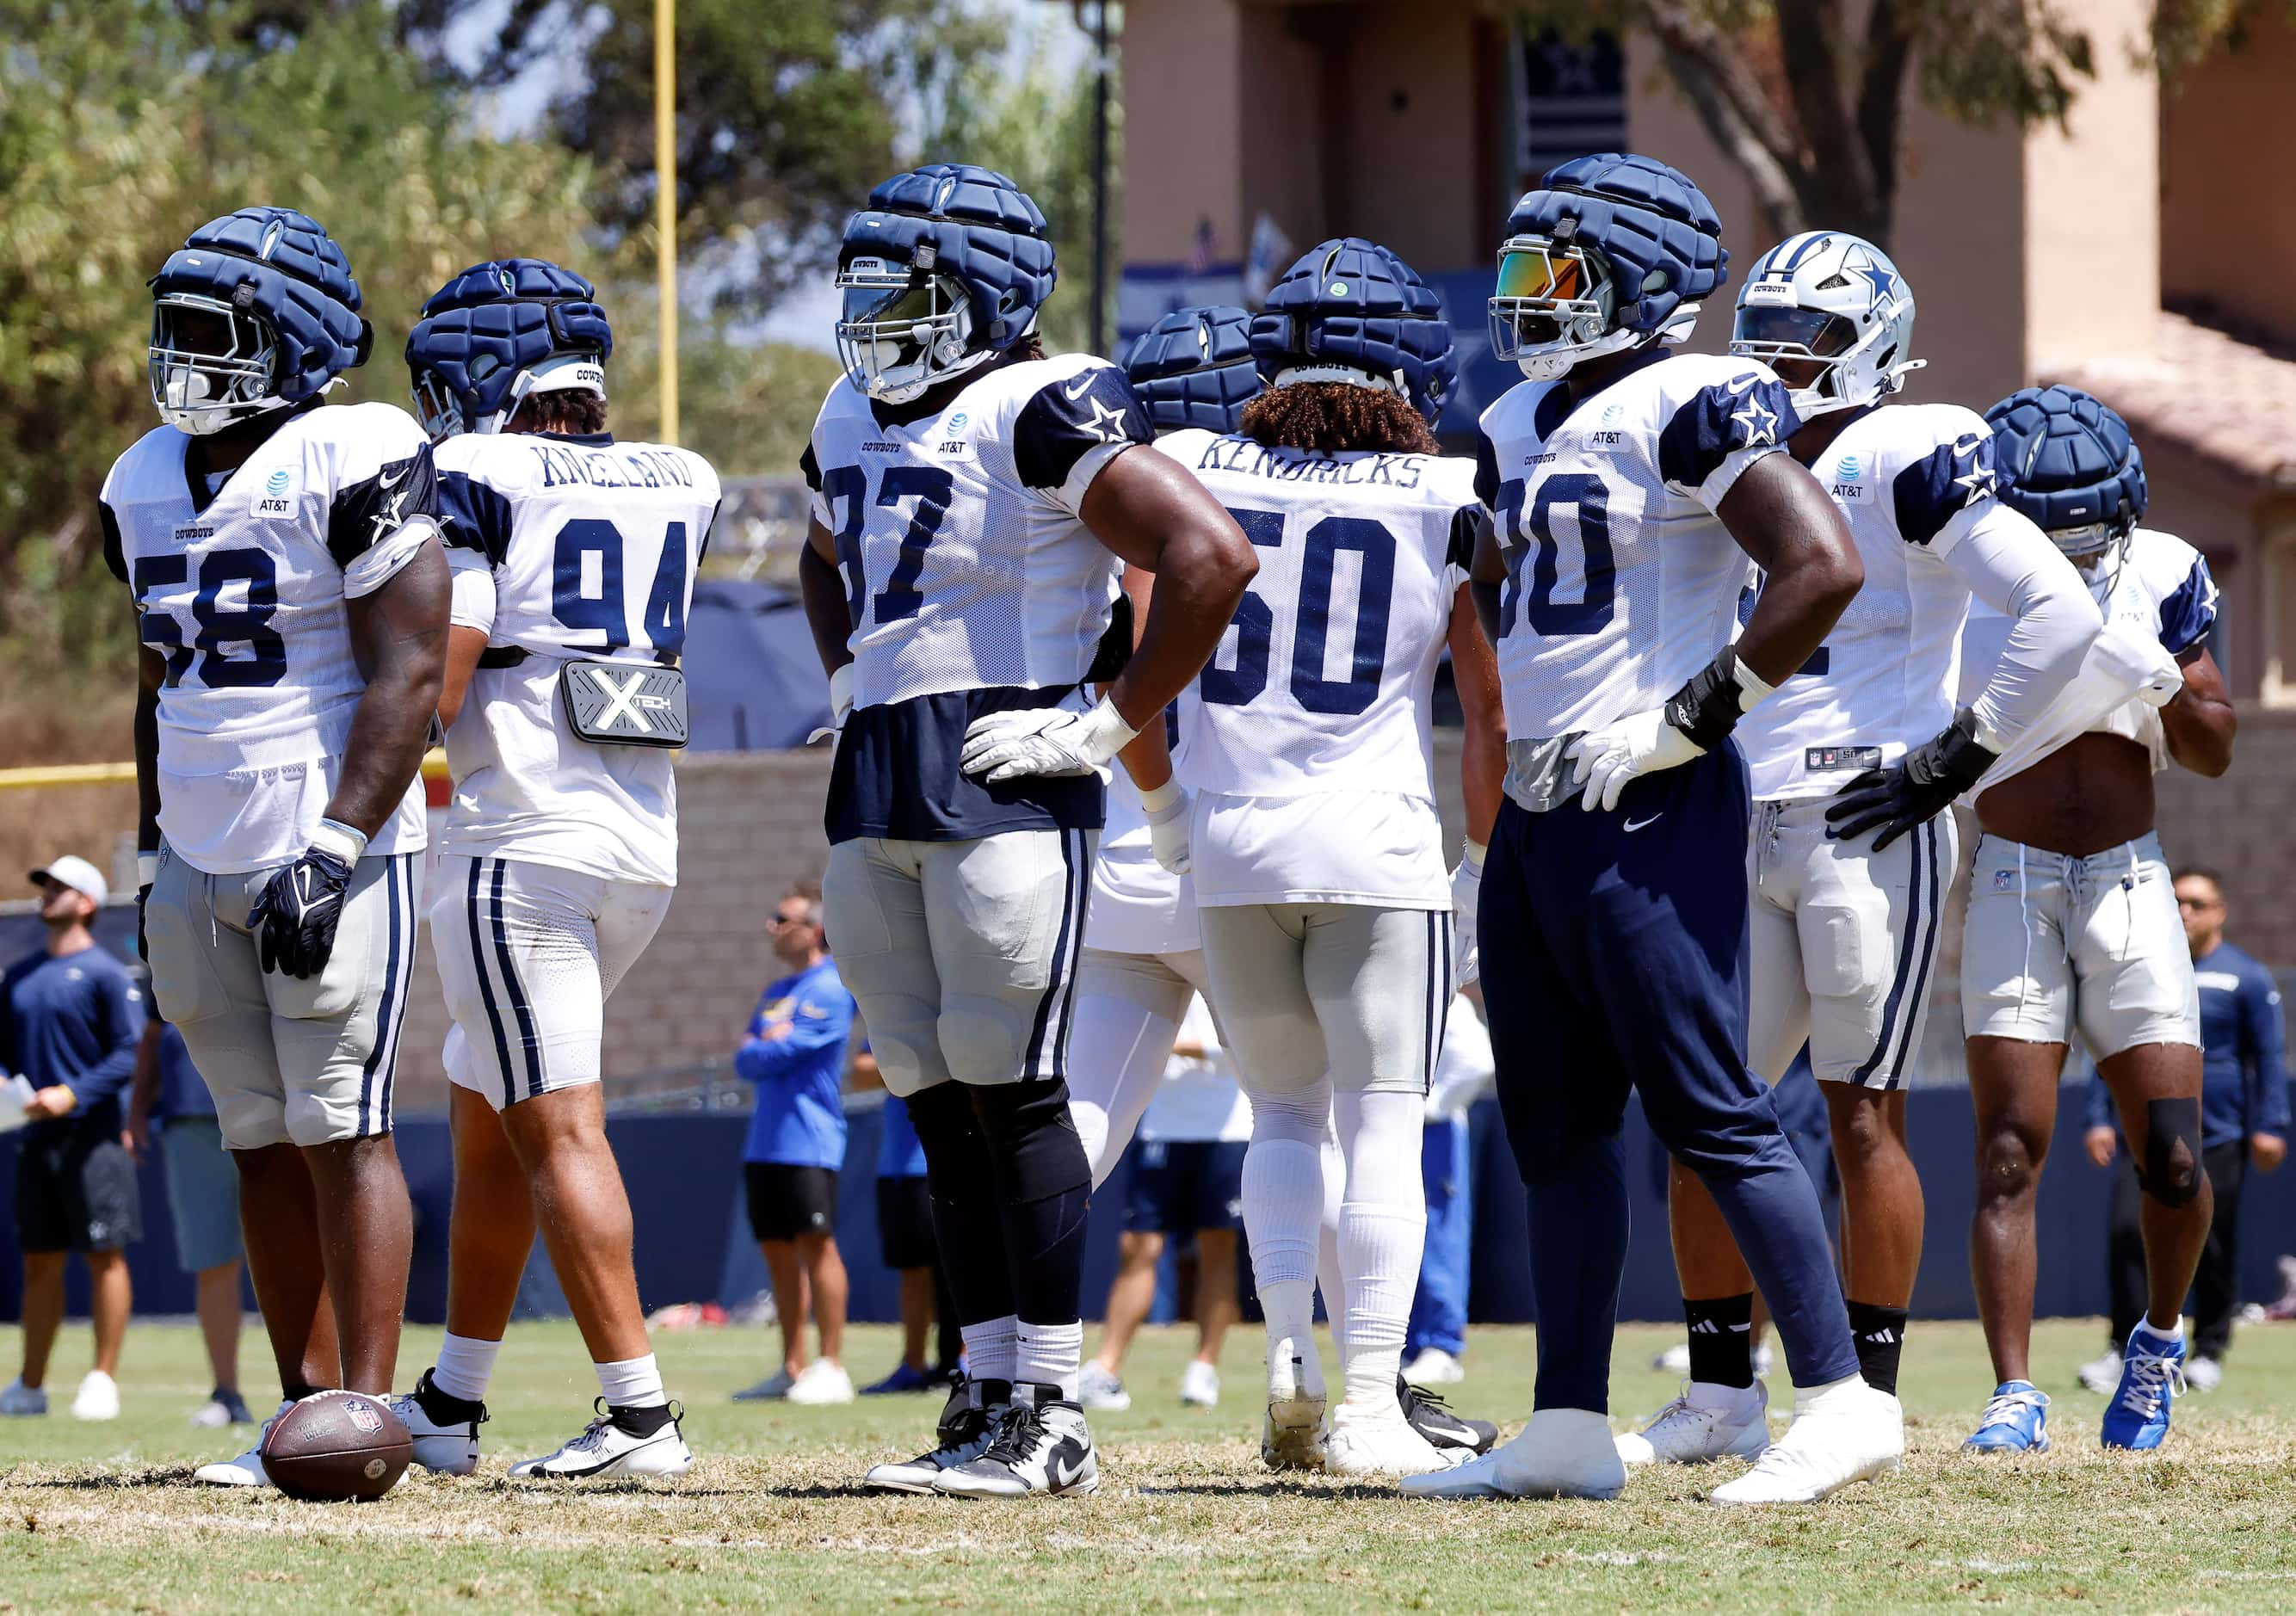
(1881, 281)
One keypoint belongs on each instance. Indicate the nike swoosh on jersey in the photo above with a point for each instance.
(392, 482)
(1078, 391)
(1741, 385)
(1635, 824)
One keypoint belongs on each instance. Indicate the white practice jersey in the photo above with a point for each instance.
(566, 548)
(1912, 480)
(1309, 735)
(1622, 582)
(243, 584)
(2160, 587)
(973, 585)
(1137, 905)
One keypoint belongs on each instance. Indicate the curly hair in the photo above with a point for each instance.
(572, 412)
(1335, 416)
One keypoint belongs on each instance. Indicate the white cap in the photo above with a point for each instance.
(77, 874)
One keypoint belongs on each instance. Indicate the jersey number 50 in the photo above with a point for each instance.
(1255, 620)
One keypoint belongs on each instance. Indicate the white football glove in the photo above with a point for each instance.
(840, 705)
(1641, 744)
(1044, 740)
(1169, 808)
(1466, 893)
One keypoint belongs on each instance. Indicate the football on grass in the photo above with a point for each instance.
(336, 1445)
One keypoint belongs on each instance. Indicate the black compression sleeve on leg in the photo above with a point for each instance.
(2172, 1150)
(1044, 1185)
(967, 1224)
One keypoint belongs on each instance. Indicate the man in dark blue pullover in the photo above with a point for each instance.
(2243, 1121)
(70, 1017)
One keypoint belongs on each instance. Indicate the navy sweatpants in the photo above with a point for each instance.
(1614, 958)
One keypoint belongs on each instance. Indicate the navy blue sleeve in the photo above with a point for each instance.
(117, 1016)
(2099, 1104)
(1067, 419)
(1720, 421)
(809, 464)
(10, 1060)
(1486, 471)
(2188, 615)
(377, 507)
(2263, 1042)
(1941, 484)
(1467, 525)
(473, 515)
(115, 553)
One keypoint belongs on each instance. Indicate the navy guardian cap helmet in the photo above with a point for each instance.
(946, 268)
(2067, 463)
(1194, 367)
(1351, 310)
(1611, 253)
(256, 311)
(497, 334)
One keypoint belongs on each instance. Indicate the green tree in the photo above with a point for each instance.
(1036, 125)
(124, 124)
(1807, 104)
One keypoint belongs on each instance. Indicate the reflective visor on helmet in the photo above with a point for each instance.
(1792, 333)
(1551, 297)
(1543, 273)
(901, 330)
(904, 304)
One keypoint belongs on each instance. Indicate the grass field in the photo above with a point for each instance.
(102, 1517)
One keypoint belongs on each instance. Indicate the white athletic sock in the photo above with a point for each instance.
(1290, 1306)
(1383, 1228)
(992, 1348)
(464, 1366)
(1282, 1203)
(2174, 1334)
(633, 1383)
(1048, 1355)
(1327, 1248)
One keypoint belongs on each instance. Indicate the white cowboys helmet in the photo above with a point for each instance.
(1833, 300)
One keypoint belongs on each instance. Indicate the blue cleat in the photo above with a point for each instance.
(2016, 1421)
(2152, 1373)
(902, 1379)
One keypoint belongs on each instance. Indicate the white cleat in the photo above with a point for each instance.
(969, 1422)
(2102, 1374)
(1380, 1442)
(1434, 1367)
(1674, 1360)
(2201, 1374)
(1200, 1385)
(822, 1383)
(247, 1470)
(1099, 1389)
(1840, 1433)
(1704, 1422)
(444, 1448)
(98, 1397)
(1562, 1453)
(1040, 1446)
(775, 1386)
(1292, 1436)
(605, 1450)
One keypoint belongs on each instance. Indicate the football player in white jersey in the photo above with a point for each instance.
(292, 600)
(2073, 920)
(1846, 916)
(980, 500)
(1322, 895)
(1632, 489)
(1143, 958)
(573, 557)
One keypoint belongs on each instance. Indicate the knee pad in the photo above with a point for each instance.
(2171, 1173)
(1032, 1141)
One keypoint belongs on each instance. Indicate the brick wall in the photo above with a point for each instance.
(750, 825)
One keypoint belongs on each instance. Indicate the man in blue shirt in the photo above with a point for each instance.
(794, 1053)
(2243, 1120)
(70, 1019)
(202, 1199)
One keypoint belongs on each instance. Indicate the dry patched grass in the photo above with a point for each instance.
(95, 1517)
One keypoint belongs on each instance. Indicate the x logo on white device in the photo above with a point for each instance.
(620, 699)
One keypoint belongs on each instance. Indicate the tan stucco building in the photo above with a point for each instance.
(2140, 252)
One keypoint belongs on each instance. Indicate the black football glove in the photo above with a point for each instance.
(1913, 790)
(302, 904)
